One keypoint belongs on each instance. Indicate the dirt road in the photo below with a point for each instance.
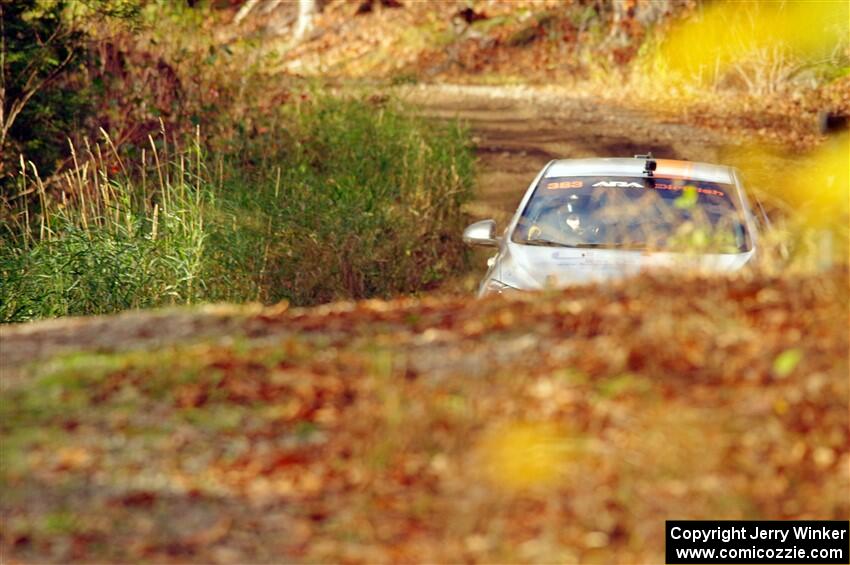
(517, 131)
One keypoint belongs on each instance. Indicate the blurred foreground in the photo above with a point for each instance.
(534, 427)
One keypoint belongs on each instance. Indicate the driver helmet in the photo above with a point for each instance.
(573, 212)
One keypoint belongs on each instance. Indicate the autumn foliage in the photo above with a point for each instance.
(535, 427)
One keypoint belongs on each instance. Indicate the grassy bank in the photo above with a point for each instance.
(331, 198)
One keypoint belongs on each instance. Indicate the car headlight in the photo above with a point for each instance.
(498, 287)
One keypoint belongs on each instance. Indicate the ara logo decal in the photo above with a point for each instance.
(618, 184)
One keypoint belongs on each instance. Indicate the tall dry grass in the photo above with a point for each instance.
(337, 199)
(109, 236)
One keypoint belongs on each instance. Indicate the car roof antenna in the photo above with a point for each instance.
(650, 165)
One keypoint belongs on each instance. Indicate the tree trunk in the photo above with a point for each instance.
(306, 10)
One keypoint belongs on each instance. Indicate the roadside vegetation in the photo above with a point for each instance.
(351, 199)
(312, 198)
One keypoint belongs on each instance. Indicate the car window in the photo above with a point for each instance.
(634, 212)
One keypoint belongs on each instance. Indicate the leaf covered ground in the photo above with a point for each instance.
(558, 426)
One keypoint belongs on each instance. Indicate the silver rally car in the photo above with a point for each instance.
(585, 220)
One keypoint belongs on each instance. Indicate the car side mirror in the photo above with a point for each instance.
(481, 233)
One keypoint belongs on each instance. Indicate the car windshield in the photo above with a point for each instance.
(634, 213)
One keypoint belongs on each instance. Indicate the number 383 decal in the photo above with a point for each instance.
(565, 184)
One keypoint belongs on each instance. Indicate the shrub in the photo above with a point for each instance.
(340, 198)
(368, 203)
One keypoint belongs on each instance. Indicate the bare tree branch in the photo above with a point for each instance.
(28, 91)
(245, 10)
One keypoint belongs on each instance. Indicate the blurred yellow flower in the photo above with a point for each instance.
(524, 455)
(728, 32)
(815, 191)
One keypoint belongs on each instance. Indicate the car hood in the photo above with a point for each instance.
(531, 267)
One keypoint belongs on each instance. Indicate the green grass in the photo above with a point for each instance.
(337, 198)
(363, 200)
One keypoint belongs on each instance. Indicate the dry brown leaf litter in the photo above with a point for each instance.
(563, 426)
